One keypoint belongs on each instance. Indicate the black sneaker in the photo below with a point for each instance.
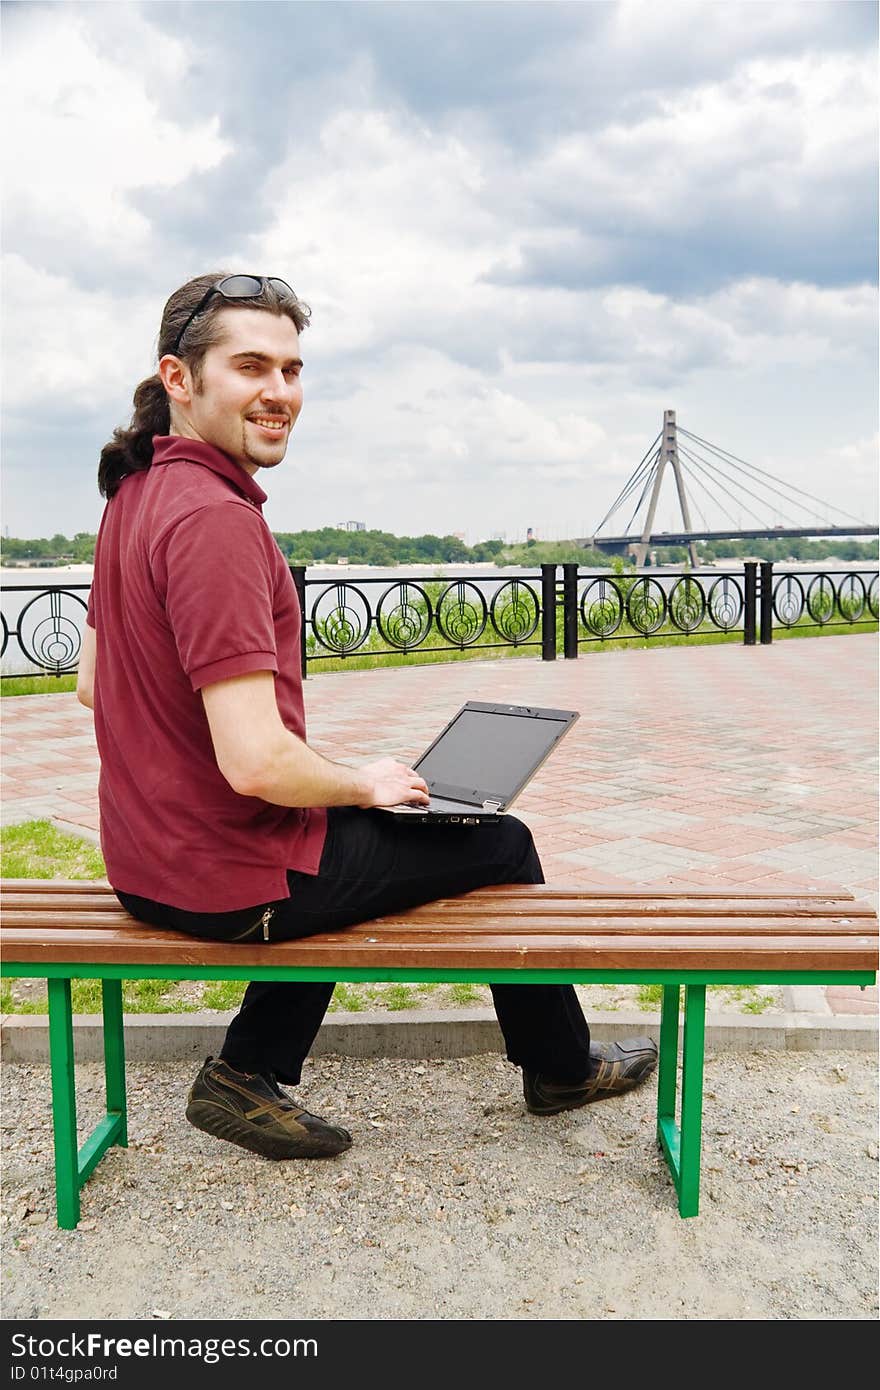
(252, 1111)
(615, 1068)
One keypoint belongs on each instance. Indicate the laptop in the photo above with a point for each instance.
(479, 764)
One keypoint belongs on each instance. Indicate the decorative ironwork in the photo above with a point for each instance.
(687, 604)
(821, 599)
(341, 619)
(646, 606)
(407, 622)
(52, 642)
(851, 598)
(461, 619)
(788, 600)
(5, 635)
(725, 603)
(873, 601)
(601, 608)
(515, 611)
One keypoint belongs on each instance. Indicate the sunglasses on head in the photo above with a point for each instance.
(236, 287)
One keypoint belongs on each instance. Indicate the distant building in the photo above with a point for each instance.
(351, 526)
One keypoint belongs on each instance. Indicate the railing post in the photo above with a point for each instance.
(766, 603)
(750, 586)
(299, 579)
(548, 612)
(570, 610)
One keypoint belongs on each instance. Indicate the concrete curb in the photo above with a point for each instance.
(424, 1033)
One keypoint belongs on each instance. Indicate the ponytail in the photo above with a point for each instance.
(131, 450)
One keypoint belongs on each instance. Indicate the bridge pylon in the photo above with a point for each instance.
(668, 454)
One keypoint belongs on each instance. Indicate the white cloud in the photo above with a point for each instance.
(83, 130)
(66, 346)
(766, 132)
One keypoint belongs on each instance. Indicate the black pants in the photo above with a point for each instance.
(374, 864)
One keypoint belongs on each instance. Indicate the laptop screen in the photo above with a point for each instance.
(490, 751)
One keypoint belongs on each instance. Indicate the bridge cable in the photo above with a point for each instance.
(763, 500)
(648, 483)
(716, 450)
(707, 489)
(717, 475)
(629, 485)
(635, 480)
(760, 483)
(736, 498)
(692, 497)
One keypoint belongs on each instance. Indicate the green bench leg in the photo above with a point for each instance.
(681, 1145)
(72, 1166)
(668, 1063)
(114, 1057)
(692, 1098)
(63, 1104)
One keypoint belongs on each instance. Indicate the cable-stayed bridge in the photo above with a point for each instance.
(701, 471)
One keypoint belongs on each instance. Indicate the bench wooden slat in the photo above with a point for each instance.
(463, 950)
(53, 926)
(502, 892)
(18, 905)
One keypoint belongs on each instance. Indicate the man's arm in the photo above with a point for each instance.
(258, 756)
(85, 676)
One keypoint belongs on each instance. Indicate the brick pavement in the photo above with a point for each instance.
(703, 766)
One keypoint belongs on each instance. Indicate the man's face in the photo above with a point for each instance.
(250, 392)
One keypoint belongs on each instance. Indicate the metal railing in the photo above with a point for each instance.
(47, 628)
(343, 618)
(558, 613)
(688, 603)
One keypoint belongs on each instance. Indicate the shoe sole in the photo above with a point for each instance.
(605, 1094)
(213, 1119)
(579, 1104)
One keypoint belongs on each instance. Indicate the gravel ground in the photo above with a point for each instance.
(454, 1203)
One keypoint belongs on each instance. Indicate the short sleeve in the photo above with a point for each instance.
(216, 572)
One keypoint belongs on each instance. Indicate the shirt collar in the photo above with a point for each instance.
(168, 448)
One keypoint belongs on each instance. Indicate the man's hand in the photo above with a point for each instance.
(389, 783)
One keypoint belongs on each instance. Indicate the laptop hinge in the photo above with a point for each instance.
(491, 806)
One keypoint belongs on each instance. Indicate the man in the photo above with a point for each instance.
(217, 818)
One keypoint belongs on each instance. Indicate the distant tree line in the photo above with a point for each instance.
(382, 548)
(81, 548)
(785, 548)
(379, 548)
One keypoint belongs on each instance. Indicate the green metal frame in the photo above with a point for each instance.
(679, 1139)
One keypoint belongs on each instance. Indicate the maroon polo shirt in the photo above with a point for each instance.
(189, 589)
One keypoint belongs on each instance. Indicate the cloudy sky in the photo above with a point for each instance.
(524, 230)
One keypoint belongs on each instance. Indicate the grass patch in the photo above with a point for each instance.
(37, 849)
(464, 993)
(223, 994)
(37, 685)
(748, 999)
(138, 997)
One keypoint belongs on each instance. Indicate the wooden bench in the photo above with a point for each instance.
(683, 941)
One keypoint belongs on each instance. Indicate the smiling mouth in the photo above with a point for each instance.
(271, 424)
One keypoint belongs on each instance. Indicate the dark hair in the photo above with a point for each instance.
(131, 450)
